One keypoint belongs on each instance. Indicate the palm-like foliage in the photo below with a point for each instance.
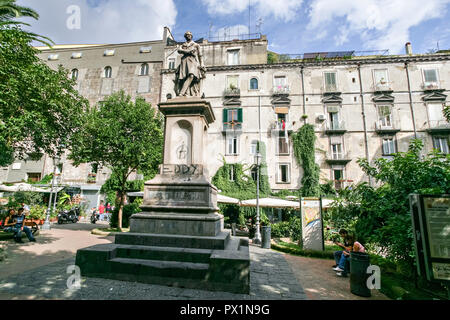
(9, 10)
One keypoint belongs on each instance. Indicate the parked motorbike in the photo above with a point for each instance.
(94, 216)
(69, 215)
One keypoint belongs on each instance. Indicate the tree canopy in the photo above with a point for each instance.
(123, 135)
(39, 107)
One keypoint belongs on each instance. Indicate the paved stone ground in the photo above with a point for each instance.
(320, 282)
(38, 271)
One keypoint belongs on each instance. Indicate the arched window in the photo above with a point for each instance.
(254, 84)
(144, 69)
(75, 74)
(108, 72)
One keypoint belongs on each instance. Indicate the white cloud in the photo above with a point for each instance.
(381, 24)
(280, 9)
(109, 21)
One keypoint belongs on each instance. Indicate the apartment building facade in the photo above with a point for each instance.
(360, 106)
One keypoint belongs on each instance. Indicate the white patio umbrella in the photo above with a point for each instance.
(27, 187)
(227, 200)
(271, 203)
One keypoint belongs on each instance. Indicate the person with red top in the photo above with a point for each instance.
(354, 246)
(101, 210)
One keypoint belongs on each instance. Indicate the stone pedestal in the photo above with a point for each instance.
(178, 239)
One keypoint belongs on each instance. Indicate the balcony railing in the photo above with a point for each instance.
(92, 178)
(281, 89)
(338, 158)
(382, 87)
(232, 126)
(336, 127)
(430, 86)
(278, 126)
(387, 126)
(232, 92)
(437, 126)
(331, 88)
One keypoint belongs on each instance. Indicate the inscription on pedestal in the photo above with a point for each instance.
(172, 195)
(182, 169)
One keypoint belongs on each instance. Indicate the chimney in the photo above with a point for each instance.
(408, 48)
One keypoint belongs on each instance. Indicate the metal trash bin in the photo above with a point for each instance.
(359, 262)
(265, 243)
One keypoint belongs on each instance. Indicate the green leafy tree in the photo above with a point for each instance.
(304, 140)
(9, 10)
(120, 134)
(39, 107)
(381, 215)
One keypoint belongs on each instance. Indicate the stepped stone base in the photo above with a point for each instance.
(218, 263)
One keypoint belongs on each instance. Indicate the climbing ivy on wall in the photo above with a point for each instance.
(303, 141)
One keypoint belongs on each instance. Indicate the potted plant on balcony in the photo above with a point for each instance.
(92, 177)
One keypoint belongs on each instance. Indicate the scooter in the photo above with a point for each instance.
(94, 216)
(69, 215)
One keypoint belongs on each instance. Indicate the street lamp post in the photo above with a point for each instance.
(257, 238)
(46, 225)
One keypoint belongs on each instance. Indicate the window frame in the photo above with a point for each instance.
(335, 89)
(169, 62)
(375, 79)
(234, 50)
(341, 151)
(233, 142)
(106, 74)
(75, 71)
(425, 82)
(393, 144)
(144, 67)
(281, 139)
(250, 84)
(279, 173)
(382, 119)
(441, 138)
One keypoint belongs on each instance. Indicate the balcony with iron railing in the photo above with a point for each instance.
(438, 126)
(382, 87)
(92, 178)
(330, 88)
(278, 126)
(232, 92)
(232, 126)
(430, 86)
(387, 126)
(338, 158)
(336, 127)
(342, 184)
(282, 89)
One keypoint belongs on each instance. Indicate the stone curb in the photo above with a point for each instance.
(98, 232)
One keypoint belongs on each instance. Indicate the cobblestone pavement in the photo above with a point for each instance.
(320, 282)
(24, 278)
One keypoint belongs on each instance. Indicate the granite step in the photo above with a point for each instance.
(138, 269)
(163, 253)
(218, 242)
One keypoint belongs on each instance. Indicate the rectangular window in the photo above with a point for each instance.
(430, 76)
(385, 116)
(34, 176)
(388, 146)
(233, 145)
(435, 112)
(232, 173)
(334, 121)
(380, 77)
(441, 144)
(338, 175)
(280, 81)
(283, 173)
(172, 63)
(232, 82)
(233, 57)
(330, 81)
(336, 151)
(233, 115)
(254, 147)
(283, 143)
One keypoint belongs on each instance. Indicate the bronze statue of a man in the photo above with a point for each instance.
(191, 70)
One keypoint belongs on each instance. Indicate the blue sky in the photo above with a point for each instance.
(292, 26)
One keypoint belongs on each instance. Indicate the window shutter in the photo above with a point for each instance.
(225, 115)
(240, 115)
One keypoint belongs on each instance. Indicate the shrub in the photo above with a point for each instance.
(280, 229)
(38, 212)
(128, 211)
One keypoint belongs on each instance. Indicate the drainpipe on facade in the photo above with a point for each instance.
(303, 93)
(364, 118)
(410, 100)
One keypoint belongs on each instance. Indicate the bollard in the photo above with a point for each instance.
(265, 243)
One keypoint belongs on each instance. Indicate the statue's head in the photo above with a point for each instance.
(188, 35)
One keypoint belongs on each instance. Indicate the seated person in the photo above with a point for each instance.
(354, 246)
(15, 223)
(337, 254)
